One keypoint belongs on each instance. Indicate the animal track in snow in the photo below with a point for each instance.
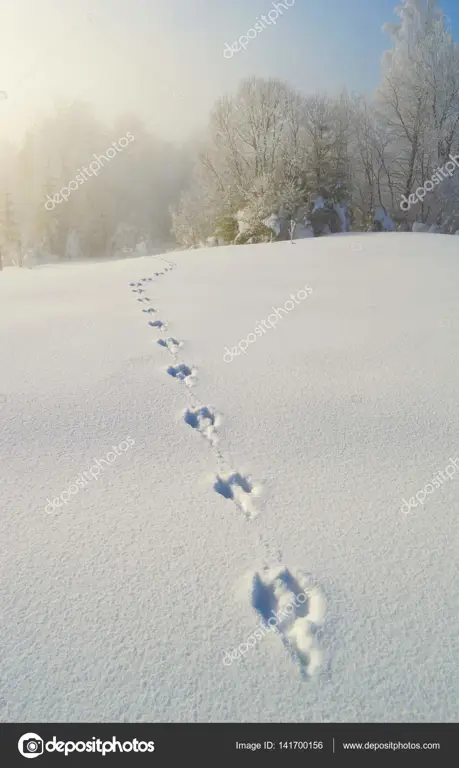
(146, 279)
(170, 344)
(166, 269)
(182, 372)
(288, 599)
(204, 420)
(296, 608)
(138, 290)
(239, 489)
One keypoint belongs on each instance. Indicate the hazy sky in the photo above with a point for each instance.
(163, 60)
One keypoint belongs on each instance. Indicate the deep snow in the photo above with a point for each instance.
(250, 482)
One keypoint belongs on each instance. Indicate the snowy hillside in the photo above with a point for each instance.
(235, 459)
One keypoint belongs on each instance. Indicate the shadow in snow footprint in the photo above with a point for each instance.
(240, 490)
(157, 324)
(150, 310)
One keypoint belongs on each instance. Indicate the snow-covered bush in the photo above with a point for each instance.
(226, 230)
(142, 248)
(273, 222)
(303, 230)
(323, 216)
(258, 233)
(419, 226)
(73, 250)
(38, 255)
(435, 229)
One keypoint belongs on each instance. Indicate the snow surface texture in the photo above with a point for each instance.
(249, 482)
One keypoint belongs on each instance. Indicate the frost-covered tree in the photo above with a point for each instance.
(418, 104)
(272, 154)
(136, 186)
(253, 158)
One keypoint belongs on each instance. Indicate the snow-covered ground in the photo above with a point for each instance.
(269, 482)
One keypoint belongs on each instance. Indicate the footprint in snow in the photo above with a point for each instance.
(157, 324)
(146, 279)
(295, 608)
(239, 489)
(182, 372)
(204, 420)
(170, 344)
(149, 310)
(144, 299)
(138, 290)
(135, 285)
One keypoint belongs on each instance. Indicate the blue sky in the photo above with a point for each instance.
(163, 59)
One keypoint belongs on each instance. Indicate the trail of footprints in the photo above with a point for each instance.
(203, 419)
(290, 599)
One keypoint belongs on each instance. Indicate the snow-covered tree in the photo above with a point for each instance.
(253, 158)
(418, 105)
